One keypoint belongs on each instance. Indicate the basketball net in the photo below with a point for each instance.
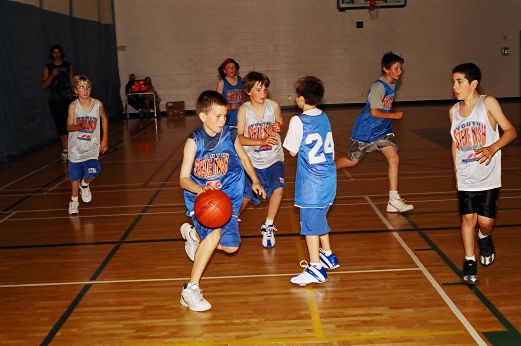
(373, 9)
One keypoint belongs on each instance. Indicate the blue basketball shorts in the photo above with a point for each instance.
(230, 235)
(271, 178)
(313, 221)
(84, 169)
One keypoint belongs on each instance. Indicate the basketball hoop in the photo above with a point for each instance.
(373, 9)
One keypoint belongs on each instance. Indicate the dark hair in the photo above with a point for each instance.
(223, 65)
(250, 80)
(311, 88)
(207, 99)
(389, 59)
(53, 47)
(470, 70)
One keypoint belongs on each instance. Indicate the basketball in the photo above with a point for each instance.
(213, 208)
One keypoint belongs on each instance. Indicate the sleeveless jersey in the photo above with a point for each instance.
(370, 129)
(218, 166)
(84, 144)
(262, 156)
(232, 94)
(60, 87)
(315, 182)
(469, 133)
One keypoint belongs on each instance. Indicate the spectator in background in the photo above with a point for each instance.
(57, 77)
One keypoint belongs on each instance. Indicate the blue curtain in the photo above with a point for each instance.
(26, 33)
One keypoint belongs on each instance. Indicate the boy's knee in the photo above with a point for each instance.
(485, 222)
(229, 249)
(469, 218)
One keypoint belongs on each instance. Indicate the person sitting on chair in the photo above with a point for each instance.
(136, 101)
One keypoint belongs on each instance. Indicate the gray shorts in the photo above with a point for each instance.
(358, 150)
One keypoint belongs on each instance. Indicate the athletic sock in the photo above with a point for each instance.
(393, 194)
(74, 198)
(268, 222)
(481, 235)
(470, 258)
(327, 253)
(316, 265)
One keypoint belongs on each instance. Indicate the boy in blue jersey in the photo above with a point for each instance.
(373, 129)
(213, 158)
(309, 135)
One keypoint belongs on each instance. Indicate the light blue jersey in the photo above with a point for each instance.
(217, 164)
(370, 129)
(315, 182)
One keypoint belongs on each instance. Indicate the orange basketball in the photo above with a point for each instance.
(213, 208)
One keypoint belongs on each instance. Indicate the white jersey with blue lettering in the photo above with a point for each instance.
(469, 133)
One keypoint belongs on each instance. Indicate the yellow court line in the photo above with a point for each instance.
(310, 293)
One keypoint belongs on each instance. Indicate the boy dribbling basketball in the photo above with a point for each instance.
(213, 158)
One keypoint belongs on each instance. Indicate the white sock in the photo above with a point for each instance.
(481, 235)
(393, 194)
(327, 253)
(316, 265)
(84, 183)
(192, 286)
(473, 258)
(268, 222)
(74, 199)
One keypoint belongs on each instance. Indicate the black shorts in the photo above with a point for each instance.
(483, 203)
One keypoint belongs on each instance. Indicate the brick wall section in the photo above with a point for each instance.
(180, 43)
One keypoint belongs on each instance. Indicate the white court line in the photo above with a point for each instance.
(346, 172)
(52, 188)
(472, 331)
(7, 217)
(98, 282)
(25, 176)
(262, 207)
(98, 215)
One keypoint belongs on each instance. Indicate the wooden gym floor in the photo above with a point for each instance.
(113, 275)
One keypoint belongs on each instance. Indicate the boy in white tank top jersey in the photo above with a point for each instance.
(85, 142)
(259, 123)
(476, 151)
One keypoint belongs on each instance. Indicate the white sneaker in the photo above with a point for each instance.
(398, 205)
(191, 244)
(64, 156)
(192, 297)
(73, 207)
(268, 237)
(310, 275)
(86, 195)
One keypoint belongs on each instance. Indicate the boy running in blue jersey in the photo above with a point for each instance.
(309, 135)
(373, 129)
(213, 158)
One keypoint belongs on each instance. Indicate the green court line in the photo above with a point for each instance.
(509, 337)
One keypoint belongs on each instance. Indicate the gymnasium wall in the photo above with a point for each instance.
(85, 29)
(180, 44)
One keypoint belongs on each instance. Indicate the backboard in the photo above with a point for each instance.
(344, 5)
